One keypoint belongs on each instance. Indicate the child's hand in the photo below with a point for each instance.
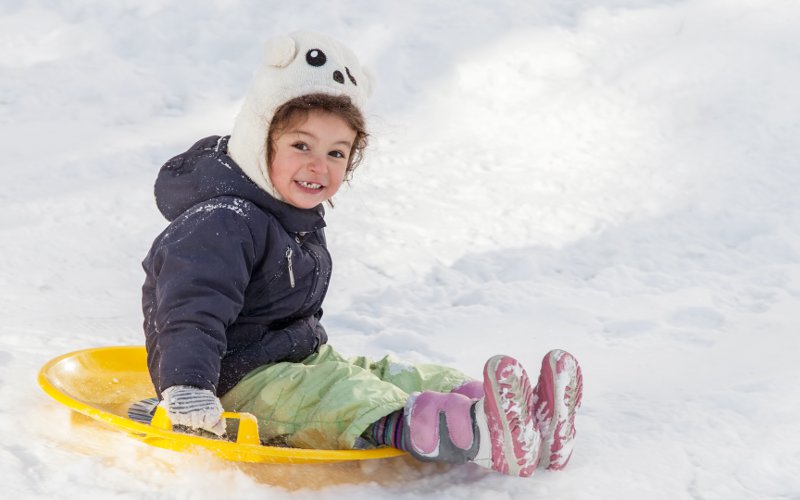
(194, 407)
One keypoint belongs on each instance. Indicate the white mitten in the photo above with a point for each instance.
(194, 407)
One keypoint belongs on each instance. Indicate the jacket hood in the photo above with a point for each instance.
(205, 171)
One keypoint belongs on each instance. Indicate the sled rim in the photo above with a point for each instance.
(61, 378)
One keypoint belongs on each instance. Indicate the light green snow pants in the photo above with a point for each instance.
(327, 401)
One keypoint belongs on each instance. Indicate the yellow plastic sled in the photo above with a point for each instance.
(103, 382)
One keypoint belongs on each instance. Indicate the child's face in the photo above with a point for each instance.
(311, 159)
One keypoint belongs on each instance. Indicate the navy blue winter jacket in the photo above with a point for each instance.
(235, 281)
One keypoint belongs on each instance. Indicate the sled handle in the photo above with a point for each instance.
(248, 425)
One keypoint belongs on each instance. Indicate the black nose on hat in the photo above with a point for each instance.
(338, 76)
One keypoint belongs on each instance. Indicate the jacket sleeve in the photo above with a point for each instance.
(292, 342)
(201, 267)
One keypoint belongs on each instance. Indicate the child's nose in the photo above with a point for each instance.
(317, 163)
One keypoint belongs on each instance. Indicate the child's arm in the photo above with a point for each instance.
(291, 342)
(199, 269)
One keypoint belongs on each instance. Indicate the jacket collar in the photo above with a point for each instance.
(293, 219)
(206, 171)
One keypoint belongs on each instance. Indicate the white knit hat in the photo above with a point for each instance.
(295, 65)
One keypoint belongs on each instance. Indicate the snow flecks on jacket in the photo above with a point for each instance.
(218, 298)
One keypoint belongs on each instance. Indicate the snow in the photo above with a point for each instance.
(618, 179)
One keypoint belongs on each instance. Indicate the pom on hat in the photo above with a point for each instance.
(295, 65)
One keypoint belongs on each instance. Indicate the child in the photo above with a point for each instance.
(234, 288)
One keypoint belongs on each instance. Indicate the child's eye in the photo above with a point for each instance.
(302, 146)
(337, 154)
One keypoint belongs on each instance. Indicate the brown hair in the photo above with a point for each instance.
(297, 110)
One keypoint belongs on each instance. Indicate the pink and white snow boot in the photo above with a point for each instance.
(506, 410)
(472, 389)
(497, 432)
(440, 427)
(556, 397)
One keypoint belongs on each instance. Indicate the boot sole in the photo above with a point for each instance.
(561, 379)
(516, 442)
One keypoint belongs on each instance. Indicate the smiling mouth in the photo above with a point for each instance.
(309, 185)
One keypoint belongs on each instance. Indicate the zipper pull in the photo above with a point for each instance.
(291, 269)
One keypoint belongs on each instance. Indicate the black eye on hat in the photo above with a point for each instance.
(316, 57)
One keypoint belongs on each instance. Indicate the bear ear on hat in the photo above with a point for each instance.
(279, 52)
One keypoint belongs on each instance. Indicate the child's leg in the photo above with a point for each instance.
(497, 431)
(323, 402)
(417, 377)
(447, 421)
(412, 379)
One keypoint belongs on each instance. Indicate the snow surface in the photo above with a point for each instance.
(618, 179)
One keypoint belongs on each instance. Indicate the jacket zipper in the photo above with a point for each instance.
(291, 268)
